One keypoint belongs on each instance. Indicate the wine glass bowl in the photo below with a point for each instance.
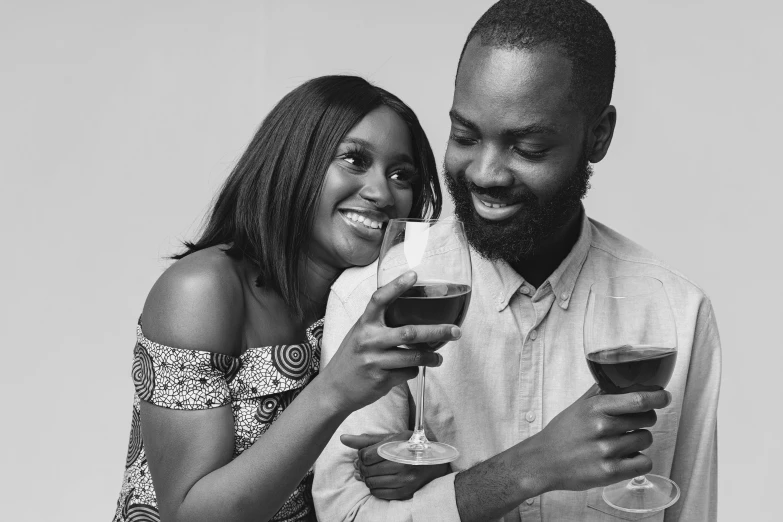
(630, 343)
(437, 251)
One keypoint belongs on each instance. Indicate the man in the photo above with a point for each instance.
(531, 111)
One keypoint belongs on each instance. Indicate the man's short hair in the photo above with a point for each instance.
(575, 26)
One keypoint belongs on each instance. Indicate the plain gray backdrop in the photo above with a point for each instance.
(119, 121)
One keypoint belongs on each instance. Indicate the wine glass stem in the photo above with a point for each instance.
(418, 441)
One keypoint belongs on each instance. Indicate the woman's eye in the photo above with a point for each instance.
(355, 160)
(403, 177)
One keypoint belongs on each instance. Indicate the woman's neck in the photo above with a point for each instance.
(316, 279)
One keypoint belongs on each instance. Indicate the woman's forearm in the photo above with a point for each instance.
(256, 484)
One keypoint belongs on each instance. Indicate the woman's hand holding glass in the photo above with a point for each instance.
(370, 362)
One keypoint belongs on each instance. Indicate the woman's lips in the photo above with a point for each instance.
(367, 224)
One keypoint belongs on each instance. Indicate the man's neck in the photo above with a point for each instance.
(537, 268)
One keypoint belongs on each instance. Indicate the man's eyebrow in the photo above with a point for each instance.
(533, 128)
(462, 120)
(519, 132)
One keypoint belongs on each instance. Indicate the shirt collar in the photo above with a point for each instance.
(502, 281)
(563, 279)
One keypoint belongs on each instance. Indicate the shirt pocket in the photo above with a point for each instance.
(596, 502)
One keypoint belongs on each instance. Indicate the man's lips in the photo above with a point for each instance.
(493, 209)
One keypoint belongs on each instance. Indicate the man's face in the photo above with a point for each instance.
(517, 161)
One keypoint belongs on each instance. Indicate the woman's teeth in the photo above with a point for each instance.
(358, 218)
(493, 205)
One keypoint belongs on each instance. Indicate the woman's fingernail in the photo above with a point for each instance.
(409, 276)
(440, 359)
(357, 476)
(456, 333)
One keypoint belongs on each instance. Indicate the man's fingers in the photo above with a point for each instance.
(358, 442)
(634, 402)
(383, 296)
(369, 456)
(384, 467)
(391, 494)
(628, 468)
(383, 482)
(633, 421)
(628, 444)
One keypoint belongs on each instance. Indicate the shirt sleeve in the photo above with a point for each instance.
(695, 466)
(337, 495)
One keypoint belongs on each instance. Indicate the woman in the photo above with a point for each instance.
(232, 411)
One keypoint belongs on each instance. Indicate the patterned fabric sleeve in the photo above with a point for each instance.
(181, 379)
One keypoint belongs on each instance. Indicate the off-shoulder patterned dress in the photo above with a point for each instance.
(258, 385)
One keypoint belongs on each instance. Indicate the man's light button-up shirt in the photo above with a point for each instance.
(498, 387)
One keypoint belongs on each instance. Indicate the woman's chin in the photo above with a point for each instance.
(361, 257)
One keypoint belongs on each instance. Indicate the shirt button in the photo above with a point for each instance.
(533, 335)
(564, 296)
(530, 501)
(524, 290)
(530, 417)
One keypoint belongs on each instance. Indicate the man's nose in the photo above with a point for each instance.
(488, 168)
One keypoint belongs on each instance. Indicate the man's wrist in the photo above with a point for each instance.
(492, 488)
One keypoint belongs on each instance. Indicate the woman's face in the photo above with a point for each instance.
(368, 182)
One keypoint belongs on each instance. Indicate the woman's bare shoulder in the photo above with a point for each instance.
(198, 304)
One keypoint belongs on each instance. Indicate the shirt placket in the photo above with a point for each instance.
(533, 313)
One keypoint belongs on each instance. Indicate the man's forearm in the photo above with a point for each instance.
(494, 487)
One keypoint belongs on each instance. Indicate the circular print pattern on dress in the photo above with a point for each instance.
(143, 373)
(292, 360)
(225, 364)
(134, 446)
(142, 513)
(267, 408)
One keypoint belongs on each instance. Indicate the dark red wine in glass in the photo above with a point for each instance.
(429, 303)
(629, 369)
(437, 250)
(630, 341)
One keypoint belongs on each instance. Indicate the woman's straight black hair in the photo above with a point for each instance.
(264, 210)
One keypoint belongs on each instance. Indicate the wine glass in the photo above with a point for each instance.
(437, 251)
(630, 343)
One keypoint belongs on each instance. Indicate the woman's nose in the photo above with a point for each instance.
(376, 188)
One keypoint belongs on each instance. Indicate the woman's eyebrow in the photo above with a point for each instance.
(401, 157)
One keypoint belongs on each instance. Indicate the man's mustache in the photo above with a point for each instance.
(508, 195)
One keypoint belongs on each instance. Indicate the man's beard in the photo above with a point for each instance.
(519, 237)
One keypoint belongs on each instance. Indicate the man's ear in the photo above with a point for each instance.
(601, 134)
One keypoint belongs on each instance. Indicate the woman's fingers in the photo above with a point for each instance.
(382, 297)
(400, 358)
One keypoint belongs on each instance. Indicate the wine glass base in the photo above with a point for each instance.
(653, 494)
(433, 453)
